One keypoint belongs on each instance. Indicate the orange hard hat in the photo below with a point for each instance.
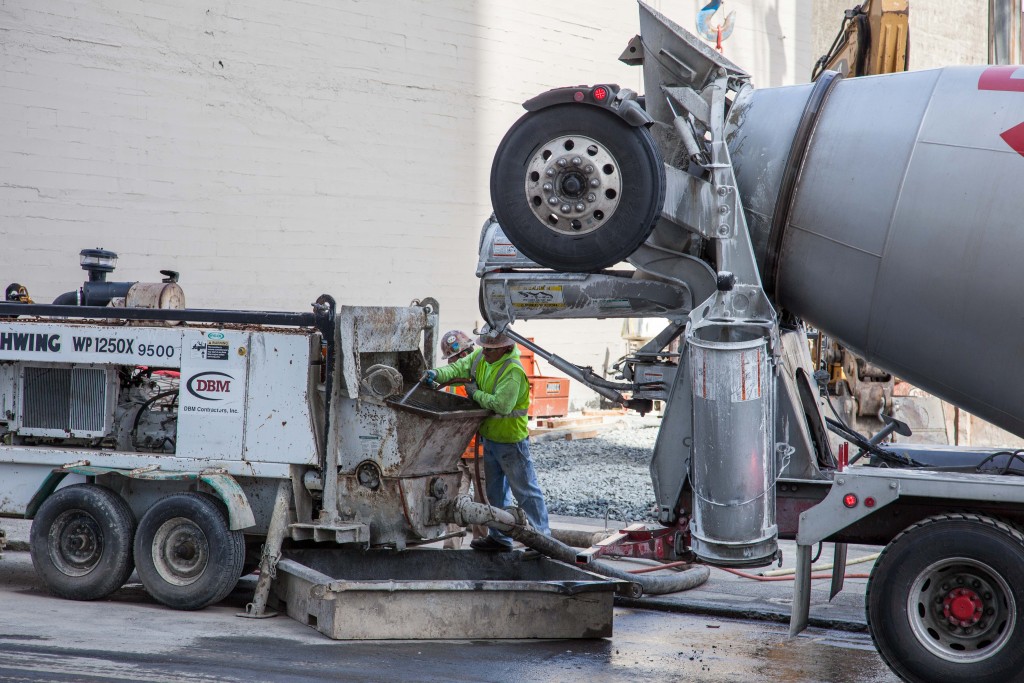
(454, 342)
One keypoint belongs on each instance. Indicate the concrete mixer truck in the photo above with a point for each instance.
(884, 211)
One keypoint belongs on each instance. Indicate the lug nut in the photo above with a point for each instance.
(989, 611)
(547, 187)
(594, 182)
(576, 161)
(553, 201)
(959, 580)
(581, 206)
(591, 197)
(550, 173)
(566, 208)
(561, 163)
(945, 586)
(976, 583)
(588, 169)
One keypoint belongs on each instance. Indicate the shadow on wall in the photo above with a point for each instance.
(777, 62)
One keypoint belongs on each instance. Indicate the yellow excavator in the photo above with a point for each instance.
(873, 39)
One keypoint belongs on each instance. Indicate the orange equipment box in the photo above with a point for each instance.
(549, 396)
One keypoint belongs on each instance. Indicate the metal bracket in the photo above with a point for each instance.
(831, 515)
(636, 540)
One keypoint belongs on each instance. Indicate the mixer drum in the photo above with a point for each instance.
(900, 232)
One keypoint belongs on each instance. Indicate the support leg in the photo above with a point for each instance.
(257, 609)
(838, 570)
(801, 591)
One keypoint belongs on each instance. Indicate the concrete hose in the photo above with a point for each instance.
(464, 512)
(676, 582)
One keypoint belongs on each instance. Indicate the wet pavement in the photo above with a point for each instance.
(130, 637)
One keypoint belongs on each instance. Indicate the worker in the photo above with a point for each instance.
(455, 345)
(500, 385)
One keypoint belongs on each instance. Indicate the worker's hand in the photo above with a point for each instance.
(429, 377)
(471, 388)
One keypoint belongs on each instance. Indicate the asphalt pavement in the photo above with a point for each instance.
(728, 630)
(726, 594)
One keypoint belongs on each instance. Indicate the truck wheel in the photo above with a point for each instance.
(186, 555)
(81, 542)
(576, 188)
(944, 602)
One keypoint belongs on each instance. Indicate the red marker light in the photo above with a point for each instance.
(578, 96)
(869, 502)
(850, 500)
(600, 93)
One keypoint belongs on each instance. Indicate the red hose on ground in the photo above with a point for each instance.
(668, 565)
(745, 575)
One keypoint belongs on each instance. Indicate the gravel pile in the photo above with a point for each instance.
(607, 475)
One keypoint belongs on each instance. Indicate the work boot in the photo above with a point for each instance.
(490, 545)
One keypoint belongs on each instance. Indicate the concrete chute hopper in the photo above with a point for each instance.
(431, 431)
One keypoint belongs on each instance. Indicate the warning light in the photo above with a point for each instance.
(869, 502)
(600, 93)
(578, 96)
(850, 500)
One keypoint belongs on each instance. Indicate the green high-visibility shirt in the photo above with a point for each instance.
(503, 389)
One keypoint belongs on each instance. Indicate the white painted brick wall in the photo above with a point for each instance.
(275, 150)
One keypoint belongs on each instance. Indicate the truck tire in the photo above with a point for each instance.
(186, 555)
(81, 542)
(576, 188)
(945, 601)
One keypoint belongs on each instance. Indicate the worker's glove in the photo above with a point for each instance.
(471, 388)
(429, 377)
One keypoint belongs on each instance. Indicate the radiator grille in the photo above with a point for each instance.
(62, 399)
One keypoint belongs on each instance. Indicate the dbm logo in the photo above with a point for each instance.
(206, 383)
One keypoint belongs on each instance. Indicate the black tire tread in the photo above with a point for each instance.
(547, 255)
(233, 545)
(89, 587)
(1011, 530)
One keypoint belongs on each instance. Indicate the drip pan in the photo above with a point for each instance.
(430, 594)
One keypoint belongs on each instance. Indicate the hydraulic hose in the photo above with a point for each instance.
(464, 512)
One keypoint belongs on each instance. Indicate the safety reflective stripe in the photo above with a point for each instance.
(504, 366)
(509, 427)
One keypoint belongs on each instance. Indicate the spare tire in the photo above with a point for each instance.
(576, 188)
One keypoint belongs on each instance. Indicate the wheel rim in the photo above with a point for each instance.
(573, 184)
(75, 542)
(961, 610)
(180, 551)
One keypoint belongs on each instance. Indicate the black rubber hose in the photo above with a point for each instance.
(67, 299)
(138, 416)
(463, 511)
(679, 581)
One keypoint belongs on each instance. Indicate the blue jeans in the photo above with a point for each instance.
(508, 466)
